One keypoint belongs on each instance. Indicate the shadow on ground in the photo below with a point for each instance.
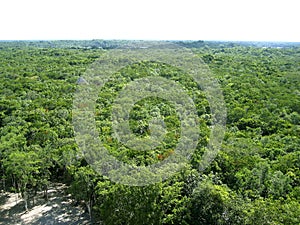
(57, 210)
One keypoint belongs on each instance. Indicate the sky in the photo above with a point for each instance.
(232, 20)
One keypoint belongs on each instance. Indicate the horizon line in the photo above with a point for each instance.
(116, 39)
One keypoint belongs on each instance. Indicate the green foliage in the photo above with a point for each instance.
(254, 179)
(120, 204)
(209, 203)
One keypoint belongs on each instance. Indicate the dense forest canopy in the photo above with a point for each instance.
(254, 179)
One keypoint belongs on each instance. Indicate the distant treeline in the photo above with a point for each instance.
(111, 44)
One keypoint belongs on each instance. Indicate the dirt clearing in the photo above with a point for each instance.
(57, 210)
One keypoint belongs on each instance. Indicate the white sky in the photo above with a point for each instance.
(253, 20)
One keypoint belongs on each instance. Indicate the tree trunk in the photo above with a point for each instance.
(3, 177)
(46, 192)
(25, 197)
(33, 203)
(89, 206)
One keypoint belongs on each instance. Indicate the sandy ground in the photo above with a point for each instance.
(57, 210)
